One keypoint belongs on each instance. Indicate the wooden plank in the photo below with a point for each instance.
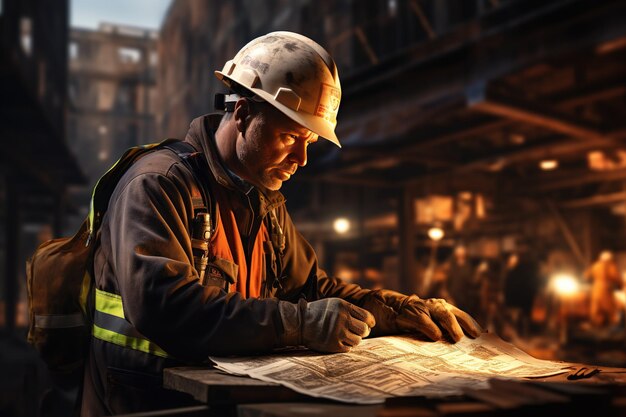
(306, 410)
(213, 387)
(195, 411)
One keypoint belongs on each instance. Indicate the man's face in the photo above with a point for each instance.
(272, 147)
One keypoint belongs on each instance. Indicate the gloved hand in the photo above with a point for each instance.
(327, 325)
(397, 313)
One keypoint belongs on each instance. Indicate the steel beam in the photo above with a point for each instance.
(534, 113)
(596, 200)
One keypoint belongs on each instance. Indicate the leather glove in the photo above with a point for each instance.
(397, 313)
(327, 325)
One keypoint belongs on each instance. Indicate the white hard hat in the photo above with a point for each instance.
(293, 74)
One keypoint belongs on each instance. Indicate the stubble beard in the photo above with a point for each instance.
(258, 175)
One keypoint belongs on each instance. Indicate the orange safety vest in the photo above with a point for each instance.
(227, 267)
(227, 256)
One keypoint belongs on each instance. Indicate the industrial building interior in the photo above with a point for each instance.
(483, 157)
(510, 151)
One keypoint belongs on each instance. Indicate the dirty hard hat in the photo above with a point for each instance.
(293, 74)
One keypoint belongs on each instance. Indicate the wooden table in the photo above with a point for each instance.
(229, 395)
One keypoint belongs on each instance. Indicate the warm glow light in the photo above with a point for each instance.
(549, 164)
(435, 233)
(341, 225)
(565, 284)
(465, 195)
(517, 139)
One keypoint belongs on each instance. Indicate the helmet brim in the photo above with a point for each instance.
(314, 123)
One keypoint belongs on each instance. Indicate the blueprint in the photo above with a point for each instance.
(394, 366)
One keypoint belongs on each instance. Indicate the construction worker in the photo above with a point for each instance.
(263, 287)
(605, 279)
(461, 281)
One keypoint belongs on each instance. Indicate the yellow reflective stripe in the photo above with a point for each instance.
(109, 303)
(135, 343)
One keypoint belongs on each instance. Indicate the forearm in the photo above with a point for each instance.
(335, 287)
(195, 321)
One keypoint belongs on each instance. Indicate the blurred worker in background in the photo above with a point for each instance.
(462, 282)
(521, 280)
(605, 279)
(264, 288)
(488, 276)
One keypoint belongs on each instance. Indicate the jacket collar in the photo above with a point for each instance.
(201, 136)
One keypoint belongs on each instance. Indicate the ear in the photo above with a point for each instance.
(241, 114)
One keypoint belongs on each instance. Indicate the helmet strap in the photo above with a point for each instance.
(226, 102)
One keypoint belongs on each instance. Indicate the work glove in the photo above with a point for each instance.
(327, 325)
(398, 313)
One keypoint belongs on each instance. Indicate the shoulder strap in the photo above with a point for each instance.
(106, 184)
(204, 220)
(103, 190)
(196, 163)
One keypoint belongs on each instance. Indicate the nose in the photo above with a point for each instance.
(298, 153)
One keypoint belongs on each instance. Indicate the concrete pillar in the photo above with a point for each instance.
(406, 232)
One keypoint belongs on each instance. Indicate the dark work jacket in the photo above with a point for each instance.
(145, 256)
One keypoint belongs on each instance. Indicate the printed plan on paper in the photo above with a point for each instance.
(393, 366)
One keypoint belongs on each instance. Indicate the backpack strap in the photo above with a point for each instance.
(205, 212)
(196, 163)
(106, 184)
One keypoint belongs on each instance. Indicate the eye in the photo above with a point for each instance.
(290, 138)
